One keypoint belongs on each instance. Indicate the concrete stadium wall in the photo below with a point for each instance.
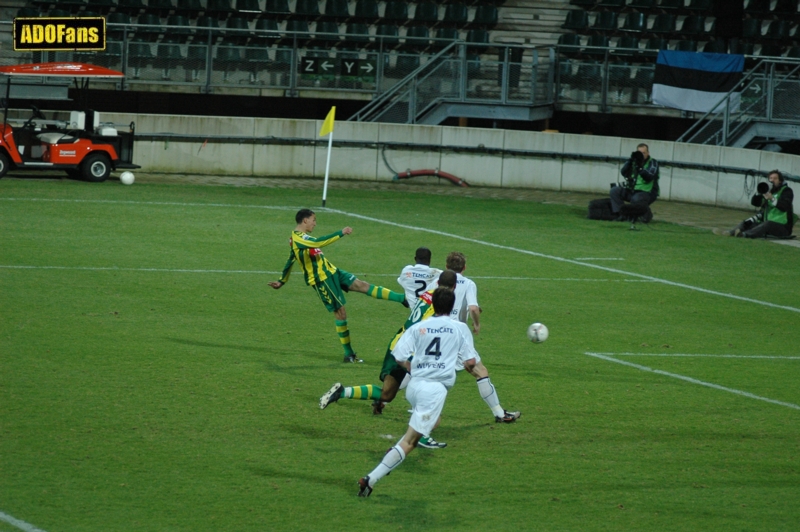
(678, 184)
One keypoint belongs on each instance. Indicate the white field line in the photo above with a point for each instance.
(270, 272)
(696, 356)
(597, 258)
(440, 233)
(22, 525)
(568, 261)
(694, 381)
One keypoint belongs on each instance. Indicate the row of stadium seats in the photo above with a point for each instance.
(630, 48)
(666, 24)
(456, 14)
(756, 8)
(325, 33)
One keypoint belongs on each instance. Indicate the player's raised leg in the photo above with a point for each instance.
(363, 392)
(378, 292)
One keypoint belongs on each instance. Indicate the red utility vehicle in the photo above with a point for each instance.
(82, 146)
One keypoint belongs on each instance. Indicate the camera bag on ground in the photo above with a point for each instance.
(600, 209)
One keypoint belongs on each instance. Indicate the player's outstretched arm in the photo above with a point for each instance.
(347, 230)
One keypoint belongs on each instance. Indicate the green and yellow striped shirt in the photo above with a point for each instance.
(305, 250)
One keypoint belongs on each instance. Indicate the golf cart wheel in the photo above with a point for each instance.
(5, 163)
(96, 167)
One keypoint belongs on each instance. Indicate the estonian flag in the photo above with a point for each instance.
(695, 81)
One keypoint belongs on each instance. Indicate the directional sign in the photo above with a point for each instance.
(357, 68)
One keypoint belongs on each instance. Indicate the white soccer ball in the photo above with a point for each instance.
(537, 333)
(126, 178)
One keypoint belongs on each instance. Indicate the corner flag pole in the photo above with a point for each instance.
(327, 129)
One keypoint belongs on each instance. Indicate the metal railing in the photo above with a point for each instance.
(769, 92)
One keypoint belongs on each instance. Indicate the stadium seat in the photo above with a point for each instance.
(338, 10)
(626, 47)
(207, 27)
(635, 22)
(794, 52)
(189, 8)
(719, 46)
(111, 57)
(686, 45)
(606, 22)
(701, 7)
(240, 33)
(139, 56)
(396, 11)
(664, 24)
(417, 38)
(160, 7)
(27, 12)
(307, 9)
(327, 32)
(779, 30)
(771, 50)
(297, 31)
(785, 8)
(673, 5)
(577, 19)
(426, 12)
(356, 36)
(266, 32)
(590, 74)
(757, 7)
(248, 9)
(643, 81)
(456, 15)
(179, 28)
(277, 7)
(366, 11)
(751, 28)
(486, 16)
(444, 36)
(655, 44)
(59, 13)
(597, 46)
(168, 56)
(131, 7)
(642, 5)
(101, 6)
(742, 48)
(406, 64)
(565, 74)
(228, 59)
(218, 8)
(619, 75)
(72, 6)
(196, 57)
(612, 4)
(569, 44)
(387, 36)
(693, 25)
(588, 4)
(256, 59)
(149, 27)
(115, 21)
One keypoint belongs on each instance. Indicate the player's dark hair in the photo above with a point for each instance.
(423, 256)
(443, 301)
(779, 173)
(302, 214)
(448, 279)
(456, 261)
(643, 145)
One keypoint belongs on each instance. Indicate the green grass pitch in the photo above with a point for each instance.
(151, 380)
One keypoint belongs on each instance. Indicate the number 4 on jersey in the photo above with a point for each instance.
(434, 349)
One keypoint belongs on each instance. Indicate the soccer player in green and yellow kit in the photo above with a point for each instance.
(329, 281)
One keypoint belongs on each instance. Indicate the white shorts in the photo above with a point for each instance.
(427, 400)
(475, 355)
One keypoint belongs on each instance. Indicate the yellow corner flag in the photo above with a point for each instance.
(327, 125)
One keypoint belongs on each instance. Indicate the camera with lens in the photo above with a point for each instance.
(762, 188)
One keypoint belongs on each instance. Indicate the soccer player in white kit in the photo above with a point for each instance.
(466, 304)
(437, 346)
(415, 278)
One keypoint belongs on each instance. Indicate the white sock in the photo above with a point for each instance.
(391, 459)
(489, 395)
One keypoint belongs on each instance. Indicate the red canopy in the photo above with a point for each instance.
(72, 70)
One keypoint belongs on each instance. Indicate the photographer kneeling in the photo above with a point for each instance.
(776, 216)
(641, 185)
